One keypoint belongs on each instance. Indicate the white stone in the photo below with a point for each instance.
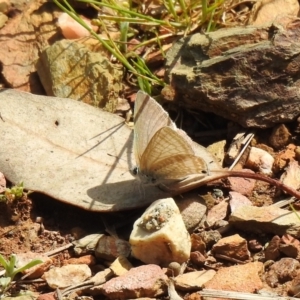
(159, 236)
(291, 176)
(260, 160)
(67, 275)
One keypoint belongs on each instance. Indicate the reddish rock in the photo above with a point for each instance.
(284, 157)
(294, 288)
(242, 185)
(35, 27)
(218, 212)
(240, 278)
(198, 243)
(254, 245)
(143, 281)
(272, 250)
(280, 136)
(89, 260)
(232, 247)
(290, 246)
(49, 296)
(282, 271)
(110, 248)
(71, 29)
(197, 259)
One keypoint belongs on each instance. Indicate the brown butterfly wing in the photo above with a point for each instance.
(149, 117)
(169, 156)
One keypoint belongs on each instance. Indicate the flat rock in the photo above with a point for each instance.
(143, 281)
(193, 280)
(60, 277)
(217, 212)
(240, 278)
(208, 72)
(267, 219)
(69, 69)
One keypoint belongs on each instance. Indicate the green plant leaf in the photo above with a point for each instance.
(4, 282)
(4, 262)
(11, 266)
(27, 266)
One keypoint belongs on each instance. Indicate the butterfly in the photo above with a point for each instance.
(166, 157)
(164, 154)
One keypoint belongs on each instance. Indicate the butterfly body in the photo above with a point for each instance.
(164, 154)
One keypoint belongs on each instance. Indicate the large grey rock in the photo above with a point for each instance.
(248, 75)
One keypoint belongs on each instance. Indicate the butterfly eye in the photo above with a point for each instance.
(134, 171)
(153, 180)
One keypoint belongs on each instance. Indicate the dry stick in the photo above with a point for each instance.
(249, 138)
(194, 183)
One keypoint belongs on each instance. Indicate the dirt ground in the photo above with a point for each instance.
(40, 224)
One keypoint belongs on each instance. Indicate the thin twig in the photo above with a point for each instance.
(60, 249)
(249, 137)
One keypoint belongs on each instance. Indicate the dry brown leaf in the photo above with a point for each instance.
(71, 151)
